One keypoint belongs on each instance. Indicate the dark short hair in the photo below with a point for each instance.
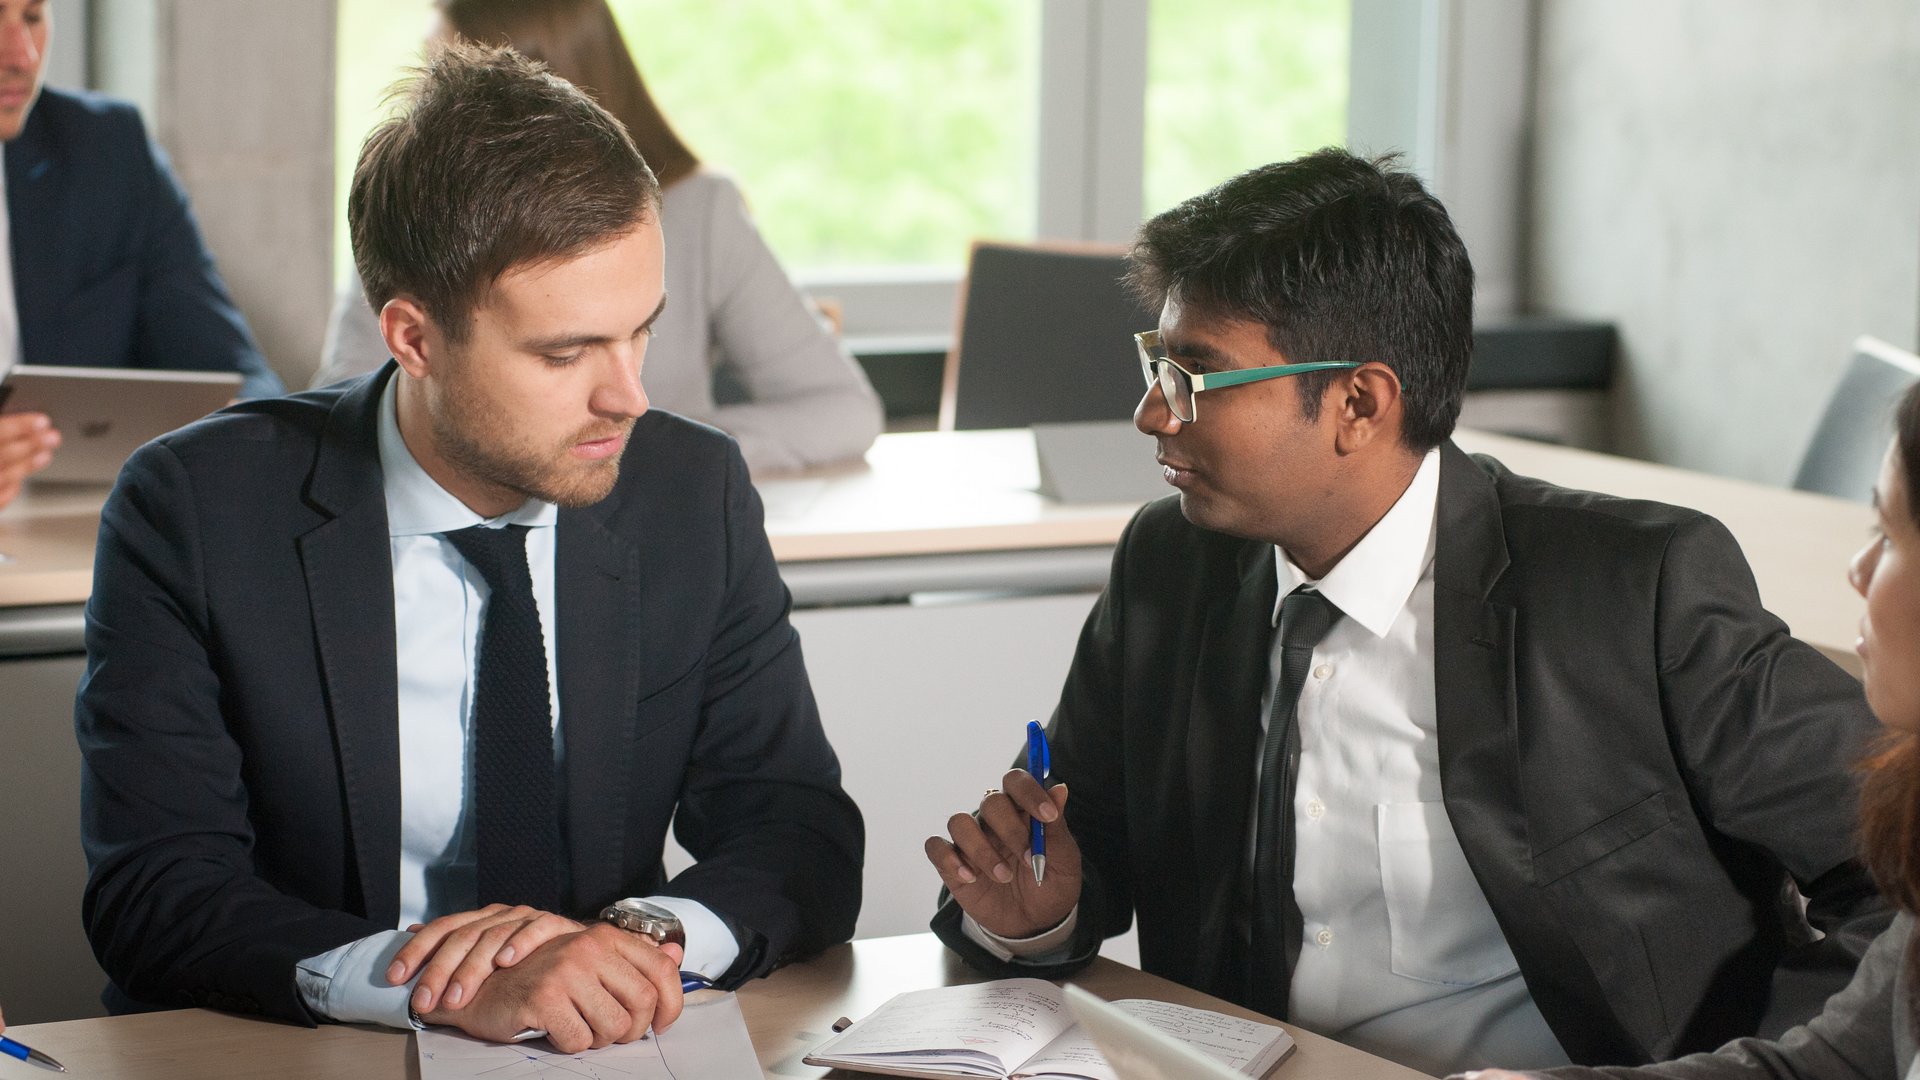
(490, 163)
(1340, 258)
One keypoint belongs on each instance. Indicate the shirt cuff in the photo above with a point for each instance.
(1045, 947)
(348, 985)
(711, 948)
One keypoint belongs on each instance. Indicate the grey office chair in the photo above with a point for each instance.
(1045, 335)
(1844, 457)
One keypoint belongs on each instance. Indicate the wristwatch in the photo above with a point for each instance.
(651, 920)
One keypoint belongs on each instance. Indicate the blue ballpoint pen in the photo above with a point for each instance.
(1039, 763)
(25, 1053)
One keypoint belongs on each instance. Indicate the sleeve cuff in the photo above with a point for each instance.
(348, 985)
(1046, 947)
(711, 947)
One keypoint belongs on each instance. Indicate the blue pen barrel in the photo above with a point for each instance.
(1040, 764)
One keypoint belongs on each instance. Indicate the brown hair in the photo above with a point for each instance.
(1890, 797)
(490, 163)
(581, 43)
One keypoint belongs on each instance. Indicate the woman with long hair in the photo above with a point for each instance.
(1867, 1031)
(737, 346)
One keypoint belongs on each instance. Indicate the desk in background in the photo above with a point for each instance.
(938, 598)
(787, 1013)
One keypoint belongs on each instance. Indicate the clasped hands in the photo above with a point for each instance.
(983, 859)
(496, 972)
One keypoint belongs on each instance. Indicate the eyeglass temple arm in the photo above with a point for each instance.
(1213, 380)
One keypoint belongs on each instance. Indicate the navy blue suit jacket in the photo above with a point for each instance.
(238, 721)
(108, 266)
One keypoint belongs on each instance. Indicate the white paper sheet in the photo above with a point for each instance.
(708, 1042)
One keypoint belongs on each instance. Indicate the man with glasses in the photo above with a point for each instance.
(1380, 738)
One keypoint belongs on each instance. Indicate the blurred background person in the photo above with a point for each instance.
(101, 262)
(737, 346)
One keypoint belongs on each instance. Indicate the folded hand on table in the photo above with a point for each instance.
(496, 972)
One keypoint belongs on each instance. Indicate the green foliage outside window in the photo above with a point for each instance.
(886, 132)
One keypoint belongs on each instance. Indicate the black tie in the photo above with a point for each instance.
(517, 831)
(1305, 618)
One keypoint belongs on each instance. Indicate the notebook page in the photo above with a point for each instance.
(1238, 1044)
(1002, 1023)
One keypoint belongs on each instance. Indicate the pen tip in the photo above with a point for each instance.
(1039, 869)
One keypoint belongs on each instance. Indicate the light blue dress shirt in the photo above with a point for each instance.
(438, 600)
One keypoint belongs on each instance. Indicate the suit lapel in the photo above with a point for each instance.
(1472, 664)
(349, 572)
(1223, 731)
(597, 589)
(1474, 658)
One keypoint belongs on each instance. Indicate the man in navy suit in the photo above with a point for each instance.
(104, 265)
(304, 635)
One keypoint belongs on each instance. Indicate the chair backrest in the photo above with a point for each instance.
(1044, 335)
(1844, 457)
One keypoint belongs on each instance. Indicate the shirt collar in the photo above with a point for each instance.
(1371, 584)
(416, 503)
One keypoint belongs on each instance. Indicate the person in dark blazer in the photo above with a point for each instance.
(105, 264)
(299, 668)
(1370, 734)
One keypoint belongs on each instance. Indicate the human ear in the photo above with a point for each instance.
(405, 325)
(1368, 407)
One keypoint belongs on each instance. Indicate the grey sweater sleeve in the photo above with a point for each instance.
(807, 401)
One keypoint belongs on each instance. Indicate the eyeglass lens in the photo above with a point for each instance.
(1177, 389)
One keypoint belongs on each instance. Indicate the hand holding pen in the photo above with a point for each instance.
(1012, 864)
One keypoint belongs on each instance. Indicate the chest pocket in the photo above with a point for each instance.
(1440, 925)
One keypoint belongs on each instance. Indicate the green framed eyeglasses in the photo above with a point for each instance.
(1180, 386)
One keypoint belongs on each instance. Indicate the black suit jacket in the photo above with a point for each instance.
(240, 795)
(108, 266)
(1633, 754)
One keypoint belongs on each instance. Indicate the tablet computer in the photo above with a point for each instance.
(105, 414)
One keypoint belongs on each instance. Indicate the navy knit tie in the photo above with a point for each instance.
(516, 826)
(1305, 618)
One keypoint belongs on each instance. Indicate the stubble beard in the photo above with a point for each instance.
(477, 442)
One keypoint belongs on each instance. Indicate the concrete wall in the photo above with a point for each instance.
(240, 93)
(1736, 183)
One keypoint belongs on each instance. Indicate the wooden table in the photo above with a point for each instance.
(787, 1014)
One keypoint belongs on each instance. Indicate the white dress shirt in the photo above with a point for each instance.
(438, 601)
(1401, 955)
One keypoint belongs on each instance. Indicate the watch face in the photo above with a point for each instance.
(648, 910)
(641, 917)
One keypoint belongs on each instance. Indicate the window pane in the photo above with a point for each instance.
(378, 40)
(862, 131)
(1232, 84)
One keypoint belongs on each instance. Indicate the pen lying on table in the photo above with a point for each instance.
(27, 1053)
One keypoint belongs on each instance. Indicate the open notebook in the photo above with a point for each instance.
(1021, 1028)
